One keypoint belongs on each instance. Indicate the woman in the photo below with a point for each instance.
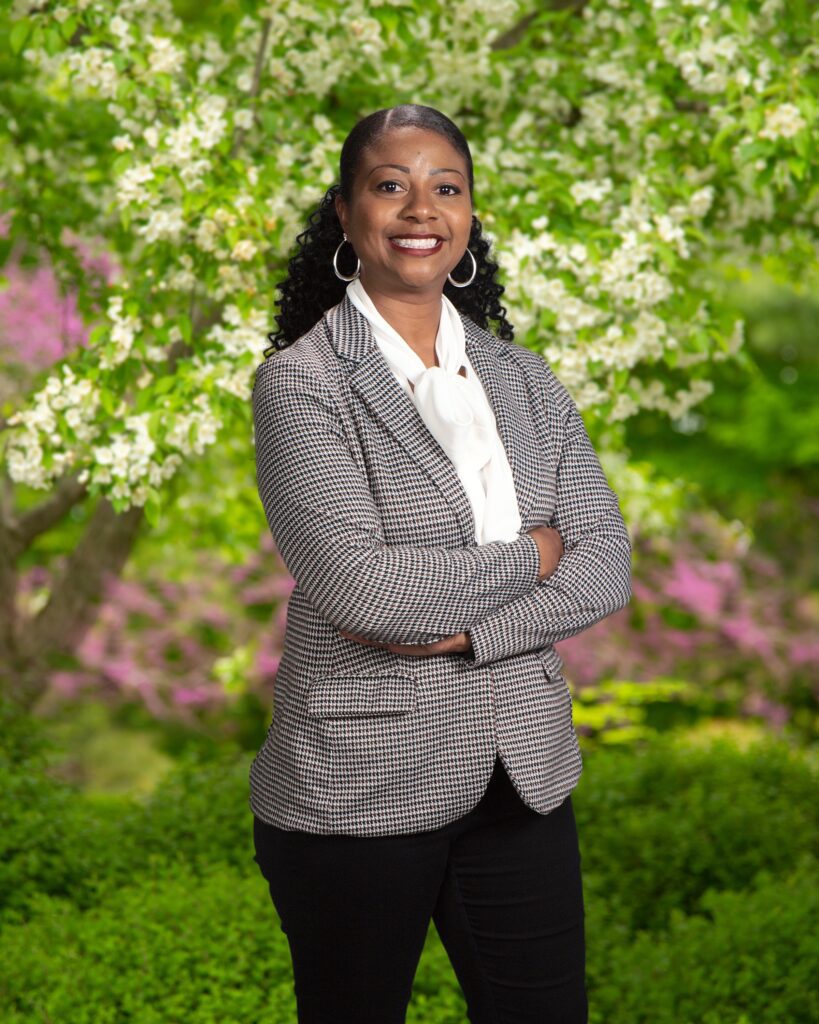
(421, 477)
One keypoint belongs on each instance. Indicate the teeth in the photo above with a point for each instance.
(417, 243)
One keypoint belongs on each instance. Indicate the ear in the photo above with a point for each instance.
(341, 212)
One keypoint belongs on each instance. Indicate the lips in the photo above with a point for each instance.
(417, 244)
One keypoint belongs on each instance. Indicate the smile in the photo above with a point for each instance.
(419, 246)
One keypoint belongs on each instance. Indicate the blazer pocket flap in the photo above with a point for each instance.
(552, 662)
(353, 696)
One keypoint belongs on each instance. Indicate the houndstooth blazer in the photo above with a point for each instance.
(378, 534)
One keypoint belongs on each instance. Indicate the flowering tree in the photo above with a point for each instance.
(625, 151)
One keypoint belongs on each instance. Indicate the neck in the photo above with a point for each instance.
(415, 317)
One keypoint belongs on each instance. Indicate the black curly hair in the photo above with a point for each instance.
(311, 287)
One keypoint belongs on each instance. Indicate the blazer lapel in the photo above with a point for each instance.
(372, 378)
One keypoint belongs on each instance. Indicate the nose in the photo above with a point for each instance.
(420, 205)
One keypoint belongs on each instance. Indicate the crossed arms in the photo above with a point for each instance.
(326, 525)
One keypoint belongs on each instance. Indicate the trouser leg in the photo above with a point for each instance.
(355, 911)
(510, 914)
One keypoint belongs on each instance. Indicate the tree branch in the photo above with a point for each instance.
(59, 627)
(48, 513)
(239, 136)
(511, 37)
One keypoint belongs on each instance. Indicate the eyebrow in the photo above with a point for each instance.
(406, 170)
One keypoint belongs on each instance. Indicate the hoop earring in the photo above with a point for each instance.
(463, 284)
(340, 276)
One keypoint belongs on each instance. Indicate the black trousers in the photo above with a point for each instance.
(502, 885)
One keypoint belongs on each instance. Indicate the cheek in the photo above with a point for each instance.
(465, 227)
(369, 227)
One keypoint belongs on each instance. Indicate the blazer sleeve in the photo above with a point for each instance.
(324, 521)
(593, 577)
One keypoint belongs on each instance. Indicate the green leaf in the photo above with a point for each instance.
(97, 334)
(797, 166)
(20, 32)
(68, 27)
(153, 508)
(109, 401)
(164, 385)
(184, 324)
(53, 41)
(125, 88)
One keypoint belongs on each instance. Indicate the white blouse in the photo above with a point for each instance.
(457, 413)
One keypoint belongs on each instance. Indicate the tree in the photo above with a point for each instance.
(625, 150)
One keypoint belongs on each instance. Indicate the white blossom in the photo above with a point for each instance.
(782, 122)
(244, 250)
(164, 57)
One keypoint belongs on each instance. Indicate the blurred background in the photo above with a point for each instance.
(648, 174)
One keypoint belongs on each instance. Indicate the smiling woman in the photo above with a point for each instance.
(435, 496)
(418, 133)
(409, 224)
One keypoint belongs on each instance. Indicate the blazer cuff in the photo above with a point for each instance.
(487, 644)
(530, 558)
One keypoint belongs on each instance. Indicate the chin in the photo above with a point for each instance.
(422, 280)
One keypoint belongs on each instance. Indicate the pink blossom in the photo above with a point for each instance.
(689, 585)
(133, 598)
(193, 695)
(747, 634)
(267, 664)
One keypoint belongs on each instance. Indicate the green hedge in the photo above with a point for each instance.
(698, 868)
(56, 841)
(751, 957)
(660, 826)
(198, 949)
(207, 949)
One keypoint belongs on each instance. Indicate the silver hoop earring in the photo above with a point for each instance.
(341, 277)
(463, 284)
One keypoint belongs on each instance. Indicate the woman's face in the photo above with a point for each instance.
(411, 184)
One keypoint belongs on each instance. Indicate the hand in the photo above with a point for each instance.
(459, 643)
(550, 546)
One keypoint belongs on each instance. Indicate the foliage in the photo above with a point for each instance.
(749, 957)
(662, 825)
(187, 636)
(703, 858)
(174, 947)
(205, 949)
(674, 136)
(58, 842)
(713, 610)
(714, 627)
(751, 447)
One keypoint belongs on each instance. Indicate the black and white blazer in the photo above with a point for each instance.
(378, 534)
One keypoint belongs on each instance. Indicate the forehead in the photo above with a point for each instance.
(410, 145)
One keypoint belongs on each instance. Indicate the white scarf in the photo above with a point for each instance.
(457, 413)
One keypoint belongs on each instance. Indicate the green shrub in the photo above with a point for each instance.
(156, 906)
(51, 840)
(207, 949)
(56, 841)
(752, 957)
(661, 825)
(199, 813)
(658, 826)
(187, 948)
(22, 736)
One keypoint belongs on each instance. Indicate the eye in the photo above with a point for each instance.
(455, 190)
(382, 183)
